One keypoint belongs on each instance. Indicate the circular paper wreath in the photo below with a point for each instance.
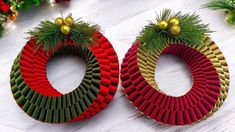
(34, 93)
(204, 59)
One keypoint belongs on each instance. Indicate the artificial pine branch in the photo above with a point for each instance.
(82, 32)
(48, 34)
(192, 31)
(221, 5)
(227, 5)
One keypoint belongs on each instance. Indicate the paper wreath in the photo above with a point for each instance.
(37, 97)
(210, 82)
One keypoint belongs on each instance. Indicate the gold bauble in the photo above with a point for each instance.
(175, 30)
(174, 21)
(59, 21)
(65, 29)
(163, 24)
(69, 21)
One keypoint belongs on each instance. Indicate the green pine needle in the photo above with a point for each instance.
(49, 35)
(82, 33)
(226, 5)
(192, 31)
(221, 5)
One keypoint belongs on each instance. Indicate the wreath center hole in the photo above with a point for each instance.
(173, 76)
(66, 72)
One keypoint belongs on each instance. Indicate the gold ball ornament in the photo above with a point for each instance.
(174, 21)
(162, 24)
(65, 29)
(175, 30)
(59, 21)
(69, 21)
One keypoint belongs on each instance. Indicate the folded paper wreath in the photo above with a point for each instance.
(34, 93)
(183, 36)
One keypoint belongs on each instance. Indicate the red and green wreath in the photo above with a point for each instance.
(182, 35)
(34, 93)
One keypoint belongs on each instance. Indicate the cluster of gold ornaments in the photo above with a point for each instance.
(172, 25)
(65, 24)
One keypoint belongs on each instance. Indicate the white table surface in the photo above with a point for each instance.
(121, 20)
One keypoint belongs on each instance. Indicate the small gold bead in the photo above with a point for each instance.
(69, 20)
(163, 24)
(174, 21)
(175, 30)
(65, 29)
(59, 21)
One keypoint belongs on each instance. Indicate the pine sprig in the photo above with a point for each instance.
(82, 32)
(48, 34)
(192, 31)
(227, 5)
(221, 5)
